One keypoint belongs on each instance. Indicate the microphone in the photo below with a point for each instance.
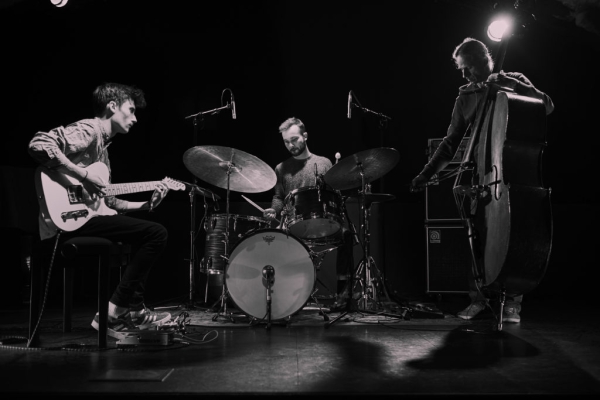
(268, 272)
(350, 104)
(233, 116)
(337, 157)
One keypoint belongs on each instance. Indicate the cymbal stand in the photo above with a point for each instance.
(367, 274)
(229, 168)
(192, 260)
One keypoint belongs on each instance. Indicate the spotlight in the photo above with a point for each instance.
(499, 28)
(59, 3)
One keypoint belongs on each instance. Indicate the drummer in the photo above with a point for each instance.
(303, 169)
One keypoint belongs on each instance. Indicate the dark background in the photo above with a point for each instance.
(284, 59)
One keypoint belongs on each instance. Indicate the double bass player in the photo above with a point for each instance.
(475, 62)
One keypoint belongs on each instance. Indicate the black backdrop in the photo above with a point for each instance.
(285, 59)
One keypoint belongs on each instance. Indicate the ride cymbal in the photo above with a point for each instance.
(374, 163)
(247, 173)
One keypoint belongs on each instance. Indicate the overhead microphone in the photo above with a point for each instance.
(233, 116)
(350, 104)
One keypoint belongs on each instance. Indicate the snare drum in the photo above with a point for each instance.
(214, 248)
(293, 281)
(316, 212)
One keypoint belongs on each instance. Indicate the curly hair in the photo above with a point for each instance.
(288, 123)
(118, 93)
(475, 52)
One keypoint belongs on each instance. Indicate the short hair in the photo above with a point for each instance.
(475, 52)
(118, 93)
(288, 123)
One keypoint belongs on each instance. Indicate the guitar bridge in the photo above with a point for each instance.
(75, 194)
(74, 215)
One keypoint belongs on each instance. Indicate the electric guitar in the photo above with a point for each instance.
(66, 205)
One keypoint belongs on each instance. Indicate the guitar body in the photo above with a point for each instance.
(64, 203)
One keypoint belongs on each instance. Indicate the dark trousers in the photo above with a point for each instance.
(148, 241)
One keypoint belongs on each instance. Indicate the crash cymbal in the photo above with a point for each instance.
(371, 198)
(374, 162)
(248, 174)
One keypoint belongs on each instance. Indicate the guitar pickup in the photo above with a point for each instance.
(74, 215)
(75, 194)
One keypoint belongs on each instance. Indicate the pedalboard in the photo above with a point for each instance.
(147, 338)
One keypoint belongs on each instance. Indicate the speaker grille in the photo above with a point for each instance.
(448, 257)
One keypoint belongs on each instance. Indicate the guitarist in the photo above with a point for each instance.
(69, 150)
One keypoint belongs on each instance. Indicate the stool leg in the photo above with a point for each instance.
(103, 287)
(67, 298)
(36, 292)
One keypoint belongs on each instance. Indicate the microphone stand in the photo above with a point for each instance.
(192, 261)
(268, 272)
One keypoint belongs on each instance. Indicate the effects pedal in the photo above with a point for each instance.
(147, 338)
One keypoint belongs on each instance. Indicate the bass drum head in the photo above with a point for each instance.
(294, 277)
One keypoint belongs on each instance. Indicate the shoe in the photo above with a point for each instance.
(148, 319)
(472, 310)
(511, 314)
(117, 327)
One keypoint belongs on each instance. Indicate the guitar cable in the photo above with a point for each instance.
(45, 290)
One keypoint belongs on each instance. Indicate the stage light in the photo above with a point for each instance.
(499, 28)
(59, 3)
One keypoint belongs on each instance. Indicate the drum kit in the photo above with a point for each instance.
(270, 273)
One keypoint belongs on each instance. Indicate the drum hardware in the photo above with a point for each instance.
(197, 190)
(230, 169)
(359, 170)
(268, 273)
(205, 193)
(316, 305)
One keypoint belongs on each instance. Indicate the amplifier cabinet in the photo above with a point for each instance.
(439, 198)
(448, 257)
(433, 144)
(440, 205)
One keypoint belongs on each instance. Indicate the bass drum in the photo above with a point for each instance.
(293, 281)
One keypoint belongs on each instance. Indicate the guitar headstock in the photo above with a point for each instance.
(173, 184)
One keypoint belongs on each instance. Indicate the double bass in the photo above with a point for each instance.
(509, 222)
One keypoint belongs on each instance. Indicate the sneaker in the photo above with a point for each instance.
(472, 310)
(148, 319)
(511, 314)
(117, 327)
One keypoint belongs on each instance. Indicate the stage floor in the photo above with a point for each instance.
(554, 350)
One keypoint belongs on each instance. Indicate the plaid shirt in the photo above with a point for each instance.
(83, 143)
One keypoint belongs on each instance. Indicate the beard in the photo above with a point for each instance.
(298, 149)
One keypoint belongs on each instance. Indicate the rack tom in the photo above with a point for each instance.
(314, 212)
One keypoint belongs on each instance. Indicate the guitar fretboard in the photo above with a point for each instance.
(134, 187)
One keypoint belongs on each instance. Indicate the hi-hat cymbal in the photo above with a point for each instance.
(371, 198)
(247, 173)
(374, 163)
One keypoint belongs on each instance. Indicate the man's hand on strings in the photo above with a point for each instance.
(94, 185)
(418, 183)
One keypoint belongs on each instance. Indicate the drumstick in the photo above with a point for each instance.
(258, 207)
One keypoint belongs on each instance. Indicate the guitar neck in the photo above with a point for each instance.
(127, 188)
